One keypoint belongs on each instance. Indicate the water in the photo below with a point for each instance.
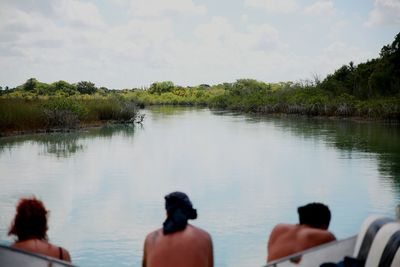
(105, 187)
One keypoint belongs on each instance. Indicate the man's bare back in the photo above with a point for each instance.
(178, 244)
(288, 239)
(312, 230)
(190, 247)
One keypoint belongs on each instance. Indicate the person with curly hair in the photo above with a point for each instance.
(30, 228)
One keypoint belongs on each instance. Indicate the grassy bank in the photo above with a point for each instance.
(308, 100)
(24, 114)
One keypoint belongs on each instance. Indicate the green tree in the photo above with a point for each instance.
(391, 49)
(386, 77)
(30, 84)
(375, 78)
(161, 87)
(63, 86)
(86, 87)
(43, 89)
(244, 87)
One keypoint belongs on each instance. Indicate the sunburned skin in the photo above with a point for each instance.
(42, 247)
(190, 247)
(288, 239)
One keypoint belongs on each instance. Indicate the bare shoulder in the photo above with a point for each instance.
(154, 234)
(58, 252)
(320, 236)
(282, 227)
(199, 232)
(66, 256)
(278, 231)
(328, 236)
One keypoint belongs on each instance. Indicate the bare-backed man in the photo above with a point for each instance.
(178, 244)
(288, 239)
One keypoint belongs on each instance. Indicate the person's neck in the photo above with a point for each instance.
(304, 225)
(32, 239)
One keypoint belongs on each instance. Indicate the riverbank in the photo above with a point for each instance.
(20, 116)
(81, 127)
(138, 118)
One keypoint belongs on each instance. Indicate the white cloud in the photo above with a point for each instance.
(81, 40)
(219, 35)
(159, 7)
(279, 6)
(264, 36)
(320, 8)
(80, 13)
(220, 31)
(221, 53)
(385, 12)
(339, 53)
(140, 39)
(25, 32)
(70, 48)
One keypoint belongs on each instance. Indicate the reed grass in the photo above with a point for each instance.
(18, 114)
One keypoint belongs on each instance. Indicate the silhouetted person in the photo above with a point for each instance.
(30, 227)
(178, 244)
(288, 239)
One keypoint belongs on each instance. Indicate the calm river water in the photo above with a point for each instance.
(105, 187)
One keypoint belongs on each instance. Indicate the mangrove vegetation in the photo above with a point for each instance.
(369, 90)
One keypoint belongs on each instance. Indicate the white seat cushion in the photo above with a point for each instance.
(367, 233)
(380, 242)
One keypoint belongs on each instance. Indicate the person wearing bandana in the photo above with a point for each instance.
(178, 243)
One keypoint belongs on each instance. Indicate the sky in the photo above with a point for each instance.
(133, 43)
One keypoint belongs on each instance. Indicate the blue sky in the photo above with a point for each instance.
(132, 43)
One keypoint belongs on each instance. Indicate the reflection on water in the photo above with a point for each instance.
(380, 140)
(105, 187)
(68, 143)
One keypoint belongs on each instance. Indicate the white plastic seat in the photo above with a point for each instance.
(385, 249)
(367, 233)
(396, 259)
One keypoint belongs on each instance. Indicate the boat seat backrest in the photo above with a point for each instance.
(396, 259)
(366, 236)
(384, 251)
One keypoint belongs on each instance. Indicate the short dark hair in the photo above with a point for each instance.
(30, 220)
(316, 215)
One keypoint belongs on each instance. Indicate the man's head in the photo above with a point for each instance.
(179, 200)
(179, 211)
(316, 215)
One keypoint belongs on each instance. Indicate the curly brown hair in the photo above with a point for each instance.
(30, 220)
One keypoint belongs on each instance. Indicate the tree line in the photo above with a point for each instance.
(369, 89)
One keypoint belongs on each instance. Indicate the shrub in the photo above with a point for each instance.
(62, 112)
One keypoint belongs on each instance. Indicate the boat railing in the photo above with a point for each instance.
(13, 257)
(331, 252)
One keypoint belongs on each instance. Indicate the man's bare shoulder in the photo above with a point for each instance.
(319, 235)
(198, 231)
(278, 231)
(283, 227)
(152, 236)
